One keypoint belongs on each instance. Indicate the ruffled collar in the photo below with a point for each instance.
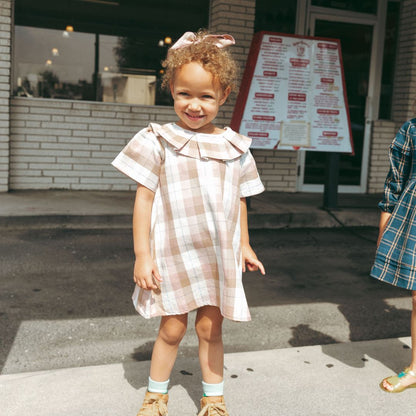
(225, 146)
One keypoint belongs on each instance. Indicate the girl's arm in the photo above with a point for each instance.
(146, 274)
(249, 259)
(384, 219)
(401, 161)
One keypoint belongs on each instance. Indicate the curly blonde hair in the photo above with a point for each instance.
(217, 61)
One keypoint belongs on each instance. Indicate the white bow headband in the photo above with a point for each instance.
(188, 38)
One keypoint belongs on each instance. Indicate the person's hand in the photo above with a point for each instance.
(250, 260)
(146, 274)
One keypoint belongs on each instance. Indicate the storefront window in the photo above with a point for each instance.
(53, 64)
(363, 6)
(107, 51)
(275, 16)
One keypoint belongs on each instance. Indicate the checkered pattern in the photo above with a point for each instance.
(198, 181)
(395, 261)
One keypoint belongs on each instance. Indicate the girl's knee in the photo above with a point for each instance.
(209, 326)
(172, 330)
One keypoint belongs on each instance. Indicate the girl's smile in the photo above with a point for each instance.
(197, 98)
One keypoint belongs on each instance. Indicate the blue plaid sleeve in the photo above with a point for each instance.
(400, 156)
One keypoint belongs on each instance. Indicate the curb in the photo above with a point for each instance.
(313, 219)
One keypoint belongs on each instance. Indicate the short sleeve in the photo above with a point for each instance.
(141, 159)
(400, 156)
(250, 183)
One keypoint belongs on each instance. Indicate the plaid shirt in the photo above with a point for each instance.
(198, 180)
(395, 260)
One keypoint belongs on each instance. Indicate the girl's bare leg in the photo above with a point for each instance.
(409, 379)
(413, 332)
(208, 325)
(171, 331)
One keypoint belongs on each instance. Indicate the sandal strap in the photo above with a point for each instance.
(405, 372)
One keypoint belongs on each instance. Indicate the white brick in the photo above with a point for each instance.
(33, 159)
(107, 128)
(60, 111)
(87, 133)
(85, 167)
(35, 180)
(40, 138)
(44, 166)
(53, 126)
(80, 160)
(74, 140)
(79, 153)
(62, 180)
(70, 173)
(88, 187)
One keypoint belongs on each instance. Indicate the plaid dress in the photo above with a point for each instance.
(395, 260)
(198, 180)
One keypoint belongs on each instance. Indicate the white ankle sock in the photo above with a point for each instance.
(158, 386)
(213, 389)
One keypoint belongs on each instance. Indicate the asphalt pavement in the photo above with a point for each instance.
(319, 380)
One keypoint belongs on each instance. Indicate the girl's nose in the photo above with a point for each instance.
(194, 105)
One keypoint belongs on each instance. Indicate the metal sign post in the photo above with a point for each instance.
(331, 180)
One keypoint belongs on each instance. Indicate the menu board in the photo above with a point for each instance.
(293, 95)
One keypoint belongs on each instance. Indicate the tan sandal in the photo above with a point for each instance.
(213, 406)
(154, 404)
(396, 382)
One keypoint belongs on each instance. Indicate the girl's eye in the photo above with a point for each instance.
(208, 97)
(184, 94)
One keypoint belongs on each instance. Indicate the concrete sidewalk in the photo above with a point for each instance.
(336, 379)
(94, 209)
(329, 380)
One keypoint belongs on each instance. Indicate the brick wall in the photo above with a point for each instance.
(404, 91)
(235, 17)
(382, 136)
(404, 95)
(5, 53)
(61, 144)
(277, 168)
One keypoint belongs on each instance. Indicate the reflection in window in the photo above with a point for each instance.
(53, 64)
(113, 52)
(363, 6)
(120, 78)
(60, 64)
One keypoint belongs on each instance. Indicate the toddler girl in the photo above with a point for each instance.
(190, 228)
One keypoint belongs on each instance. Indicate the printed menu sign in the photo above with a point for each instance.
(293, 95)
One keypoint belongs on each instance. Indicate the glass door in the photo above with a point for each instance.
(357, 46)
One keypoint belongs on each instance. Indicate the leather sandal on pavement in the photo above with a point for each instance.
(396, 382)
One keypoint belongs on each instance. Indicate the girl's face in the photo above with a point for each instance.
(197, 98)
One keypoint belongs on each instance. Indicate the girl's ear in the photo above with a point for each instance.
(171, 88)
(225, 95)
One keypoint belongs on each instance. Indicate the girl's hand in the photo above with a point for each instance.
(250, 260)
(146, 274)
